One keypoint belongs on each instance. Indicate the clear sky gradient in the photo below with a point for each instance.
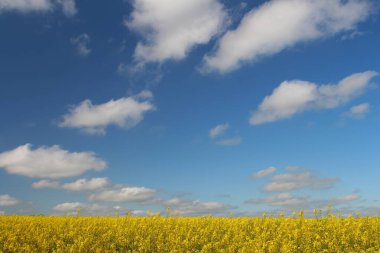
(203, 106)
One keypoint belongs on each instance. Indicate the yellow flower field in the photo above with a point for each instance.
(180, 234)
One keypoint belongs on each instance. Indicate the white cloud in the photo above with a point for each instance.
(102, 189)
(138, 212)
(124, 194)
(295, 169)
(82, 184)
(264, 172)
(282, 199)
(230, 142)
(277, 25)
(25, 6)
(286, 100)
(358, 111)
(68, 7)
(345, 198)
(122, 69)
(81, 42)
(125, 112)
(171, 28)
(86, 184)
(46, 184)
(196, 207)
(289, 203)
(70, 208)
(218, 130)
(292, 97)
(297, 180)
(48, 162)
(6, 200)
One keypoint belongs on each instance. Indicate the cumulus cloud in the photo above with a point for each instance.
(277, 25)
(230, 142)
(124, 194)
(292, 97)
(171, 28)
(103, 190)
(48, 162)
(125, 112)
(264, 172)
(26, 6)
(196, 207)
(78, 185)
(297, 180)
(81, 42)
(6, 200)
(218, 130)
(358, 111)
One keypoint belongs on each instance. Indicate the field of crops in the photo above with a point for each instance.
(180, 234)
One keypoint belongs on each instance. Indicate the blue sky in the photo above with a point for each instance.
(206, 107)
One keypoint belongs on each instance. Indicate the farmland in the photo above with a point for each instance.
(189, 234)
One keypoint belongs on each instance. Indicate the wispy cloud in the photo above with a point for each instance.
(264, 172)
(218, 130)
(46, 184)
(297, 180)
(87, 184)
(124, 194)
(282, 199)
(277, 25)
(82, 184)
(358, 111)
(230, 141)
(70, 208)
(289, 203)
(345, 198)
(102, 189)
(81, 43)
(196, 207)
(68, 7)
(145, 196)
